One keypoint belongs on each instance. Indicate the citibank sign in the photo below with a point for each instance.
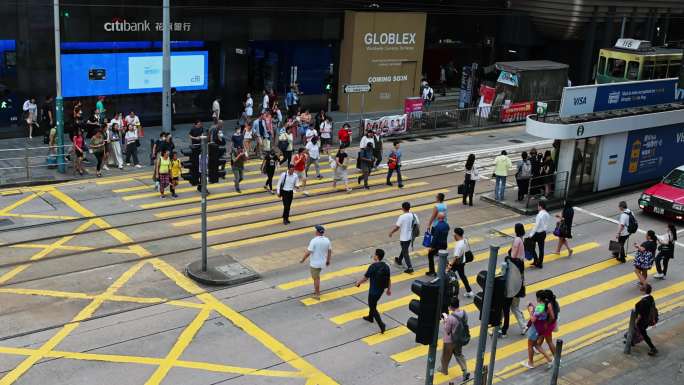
(125, 26)
(390, 38)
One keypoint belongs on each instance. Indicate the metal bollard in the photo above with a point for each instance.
(630, 332)
(556, 361)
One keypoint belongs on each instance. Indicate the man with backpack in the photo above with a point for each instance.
(428, 97)
(394, 164)
(627, 225)
(456, 334)
(379, 275)
(647, 315)
(408, 227)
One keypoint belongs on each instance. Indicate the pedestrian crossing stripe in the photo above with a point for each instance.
(184, 182)
(230, 194)
(362, 268)
(329, 226)
(567, 328)
(312, 201)
(227, 183)
(419, 351)
(123, 178)
(315, 214)
(404, 301)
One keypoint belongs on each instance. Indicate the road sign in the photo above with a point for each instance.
(356, 88)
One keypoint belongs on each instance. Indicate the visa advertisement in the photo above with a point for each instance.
(93, 74)
(614, 96)
(653, 152)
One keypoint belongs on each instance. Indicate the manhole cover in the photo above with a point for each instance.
(233, 269)
(5, 222)
(515, 141)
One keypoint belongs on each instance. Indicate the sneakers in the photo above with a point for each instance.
(659, 276)
(138, 166)
(408, 271)
(466, 376)
(469, 294)
(397, 261)
(527, 365)
(368, 318)
(105, 167)
(652, 352)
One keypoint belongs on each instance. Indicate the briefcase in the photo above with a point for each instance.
(614, 247)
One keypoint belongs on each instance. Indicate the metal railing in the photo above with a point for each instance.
(29, 158)
(552, 188)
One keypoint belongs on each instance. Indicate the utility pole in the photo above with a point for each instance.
(204, 170)
(484, 322)
(166, 67)
(59, 102)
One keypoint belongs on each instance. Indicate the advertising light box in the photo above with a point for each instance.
(95, 74)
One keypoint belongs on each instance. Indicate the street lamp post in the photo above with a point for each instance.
(59, 102)
(166, 67)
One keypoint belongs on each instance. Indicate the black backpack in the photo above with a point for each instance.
(632, 224)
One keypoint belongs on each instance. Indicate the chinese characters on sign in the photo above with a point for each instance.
(177, 27)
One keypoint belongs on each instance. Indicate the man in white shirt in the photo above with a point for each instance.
(622, 234)
(313, 147)
(404, 225)
(216, 108)
(538, 233)
(319, 253)
(132, 119)
(428, 97)
(265, 102)
(287, 184)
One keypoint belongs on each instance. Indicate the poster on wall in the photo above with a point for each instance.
(387, 125)
(653, 152)
(516, 112)
(466, 84)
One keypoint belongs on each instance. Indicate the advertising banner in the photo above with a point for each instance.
(508, 78)
(615, 96)
(487, 93)
(516, 112)
(653, 152)
(387, 125)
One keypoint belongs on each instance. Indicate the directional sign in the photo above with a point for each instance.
(356, 88)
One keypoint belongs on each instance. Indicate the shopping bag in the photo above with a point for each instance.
(614, 247)
(427, 239)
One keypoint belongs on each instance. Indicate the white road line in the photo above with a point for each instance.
(599, 216)
(463, 155)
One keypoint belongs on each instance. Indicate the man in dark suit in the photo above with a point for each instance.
(645, 309)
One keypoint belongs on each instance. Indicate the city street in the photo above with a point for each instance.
(93, 290)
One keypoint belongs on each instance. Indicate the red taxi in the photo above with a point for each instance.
(667, 197)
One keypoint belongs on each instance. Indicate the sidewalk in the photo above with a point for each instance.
(603, 362)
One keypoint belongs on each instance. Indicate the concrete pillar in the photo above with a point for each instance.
(588, 52)
(609, 29)
(566, 154)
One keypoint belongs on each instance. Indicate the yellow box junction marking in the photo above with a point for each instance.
(208, 304)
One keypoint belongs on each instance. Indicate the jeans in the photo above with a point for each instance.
(317, 166)
(448, 350)
(540, 239)
(373, 313)
(99, 156)
(390, 172)
(237, 176)
(500, 188)
(460, 269)
(405, 253)
(621, 256)
(287, 203)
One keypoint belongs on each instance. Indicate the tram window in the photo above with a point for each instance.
(673, 70)
(647, 72)
(633, 70)
(602, 65)
(616, 68)
(660, 72)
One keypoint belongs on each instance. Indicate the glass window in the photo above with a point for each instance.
(616, 68)
(675, 178)
(673, 70)
(660, 72)
(647, 71)
(633, 70)
(602, 65)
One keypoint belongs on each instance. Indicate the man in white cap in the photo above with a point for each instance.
(319, 253)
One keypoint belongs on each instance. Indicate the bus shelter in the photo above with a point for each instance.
(615, 135)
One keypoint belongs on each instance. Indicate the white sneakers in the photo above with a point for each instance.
(105, 167)
(659, 276)
(469, 294)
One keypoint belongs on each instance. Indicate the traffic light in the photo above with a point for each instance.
(328, 85)
(217, 163)
(192, 166)
(426, 310)
(497, 297)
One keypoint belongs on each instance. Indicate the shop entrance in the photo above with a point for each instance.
(584, 165)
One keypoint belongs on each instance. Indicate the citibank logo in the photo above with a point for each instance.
(125, 26)
(390, 38)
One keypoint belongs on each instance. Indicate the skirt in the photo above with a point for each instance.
(643, 260)
(164, 180)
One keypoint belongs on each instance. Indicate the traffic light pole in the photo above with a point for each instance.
(204, 170)
(59, 102)
(484, 322)
(432, 350)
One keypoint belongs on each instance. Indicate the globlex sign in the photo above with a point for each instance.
(390, 38)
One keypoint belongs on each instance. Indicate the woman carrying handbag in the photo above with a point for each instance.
(472, 175)
(564, 228)
(666, 244)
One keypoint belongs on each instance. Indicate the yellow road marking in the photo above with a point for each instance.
(315, 214)
(120, 179)
(312, 201)
(18, 203)
(571, 327)
(71, 248)
(334, 225)
(417, 351)
(39, 216)
(181, 344)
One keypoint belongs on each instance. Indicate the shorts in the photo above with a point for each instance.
(174, 180)
(532, 334)
(326, 141)
(301, 175)
(315, 272)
